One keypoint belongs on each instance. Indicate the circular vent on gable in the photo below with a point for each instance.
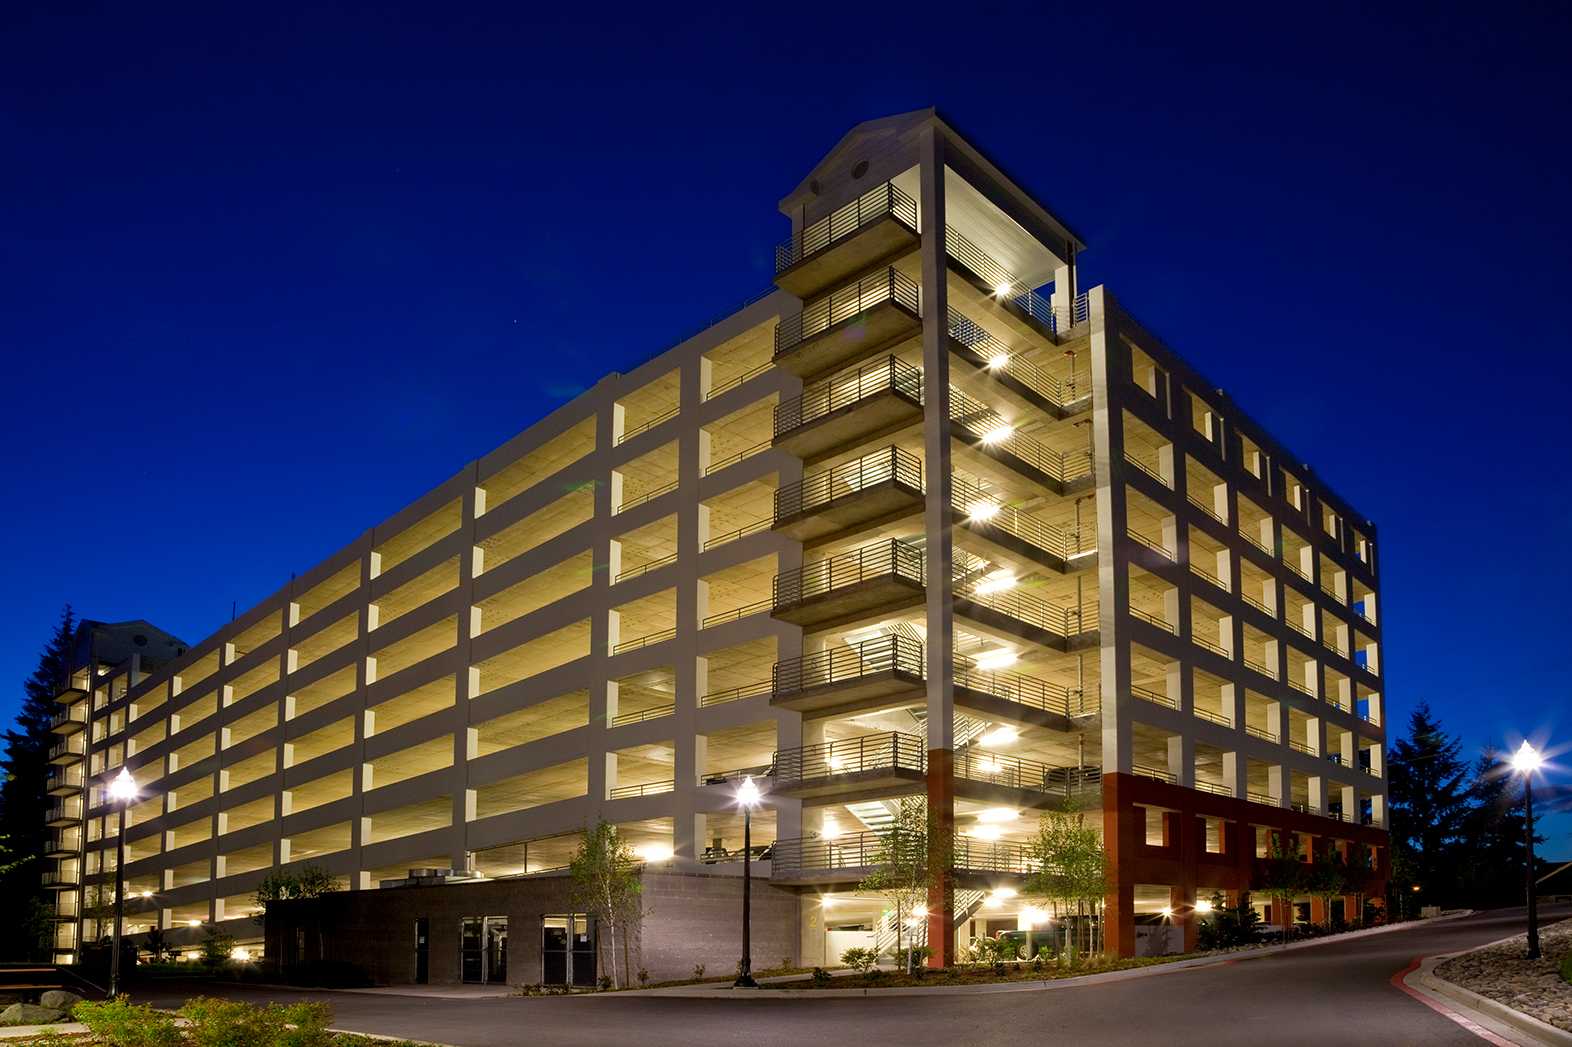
(861, 169)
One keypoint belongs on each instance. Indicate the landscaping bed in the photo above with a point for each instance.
(1502, 972)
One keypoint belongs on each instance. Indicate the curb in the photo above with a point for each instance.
(996, 987)
(12, 1032)
(1467, 998)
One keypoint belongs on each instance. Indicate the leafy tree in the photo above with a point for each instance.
(1430, 803)
(156, 944)
(606, 884)
(901, 861)
(216, 948)
(1226, 927)
(1073, 870)
(1281, 877)
(1326, 878)
(23, 790)
(312, 881)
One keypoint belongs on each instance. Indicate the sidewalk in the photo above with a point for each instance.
(722, 991)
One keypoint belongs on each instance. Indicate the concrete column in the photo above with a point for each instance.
(939, 609)
(1181, 759)
(1233, 773)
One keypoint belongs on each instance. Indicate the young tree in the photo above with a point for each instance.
(24, 770)
(1430, 804)
(606, 884)
(1073, 869)
(901, 862)
(1281, 877)
(312, 881)
(1326, 878)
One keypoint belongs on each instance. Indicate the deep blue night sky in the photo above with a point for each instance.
(269, 272)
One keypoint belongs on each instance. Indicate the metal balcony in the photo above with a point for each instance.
(873, 763)
(876, 225)
(885, 576)
(877, 486)
(64, 781)
(1062, 398)
(850, 324)
(850, 408)
(847, 858)
(69, 750)
(876, 674)
(61, 845)
(63, 814)
(1014, 698)
(982, 428)
(69, 721)
(60, 881)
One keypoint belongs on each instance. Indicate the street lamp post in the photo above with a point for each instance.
(122, 788)
(1526, 761)
(747, 798)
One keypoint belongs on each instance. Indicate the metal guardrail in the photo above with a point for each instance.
(1302, 688)
(65, 716)
(645, 641)
(1207, 509)
(647, 496)
(847, 303)
(839, 664)
(1208, 576)
(1152, 619)
(1265, 798)
(1023, 690)
(1208, 715)
(1257, 604)
(644, 714)
(871, 752)
(1052, 618)
(1300, 747)
(1148, 470)
(816, 401)
(846, 220)
(732, 383)
(741, 456)
(979, 765)
(893, 557)
(741, 532)
(1260, 732)
(1010, 290)
(1215, 648)
(983, 508)
(995, 434)
(1152, 544)
(1260, 667)
(644, 568)
(1147, 694)
(628, 434)
(647, 789)
(733, 694)
(1154, 773)
(823, 489)
(736, 613)
(996, 356)
(73, 744)
(1253, 540)
(1215, 790)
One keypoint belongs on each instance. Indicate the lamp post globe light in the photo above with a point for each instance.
(121, 789)
(1527, 760)
(747, 799)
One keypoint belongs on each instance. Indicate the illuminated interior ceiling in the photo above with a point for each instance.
(995, 233)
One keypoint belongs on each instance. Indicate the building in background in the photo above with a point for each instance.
(927, 519)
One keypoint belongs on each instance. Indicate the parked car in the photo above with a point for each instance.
(759, 852)
(712, 855)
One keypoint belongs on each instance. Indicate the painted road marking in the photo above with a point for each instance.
(1472, 1026)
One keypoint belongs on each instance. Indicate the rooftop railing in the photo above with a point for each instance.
(839, 664)
(1008, 289)
(846, 303)
(816, 401)
(822, 489)
(846, 220)
(893, 557)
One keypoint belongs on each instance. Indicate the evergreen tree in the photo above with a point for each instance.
(1429, 794)
(24, 791)
(1491, 867)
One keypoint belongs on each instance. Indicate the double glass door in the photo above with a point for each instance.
(485, 949)
(567, 950)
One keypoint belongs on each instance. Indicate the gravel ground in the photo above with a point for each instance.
(1532, 986)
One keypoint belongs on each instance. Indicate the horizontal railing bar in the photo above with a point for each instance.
(644, 568)
(732, 694)
(643, 714)
(1147, 470)
(1152, 696)
(741, 532)
(846, 220)
(737, 614)
(741, 456)
(732, 383)
(664, 416)
(647, 496)
(644, 641)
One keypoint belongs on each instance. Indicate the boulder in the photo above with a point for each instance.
(60, 999)
(29, 1014)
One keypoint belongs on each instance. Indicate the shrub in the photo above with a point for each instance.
(1566, 967)
(605, 983)
(698, 970)
(820, 976)
(119, 1023)
(226, 1023)
(860, 959)
(644, 976)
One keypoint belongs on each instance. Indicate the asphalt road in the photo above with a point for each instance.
(1339, 993)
